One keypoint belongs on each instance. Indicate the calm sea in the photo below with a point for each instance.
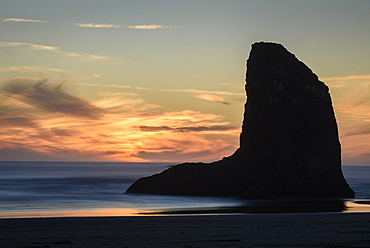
(36, 189)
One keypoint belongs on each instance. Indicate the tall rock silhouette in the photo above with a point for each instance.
(289, 145)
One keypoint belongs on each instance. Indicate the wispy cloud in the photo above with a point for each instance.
(365, 130)
(95, 25)
(84, 56)
(225, 93)
(49, 97)
(356, 146)
(18, 69)
(351, 99)
(187, 129)
(105, 25)
(152, 26)
(15, 116)
(212, 98)
(8, 73)
(22, 20)
(42, 47)
(60, 71)
(128, 130)
(193, 91)
(115, 94)
(345, 81)
(350, 77)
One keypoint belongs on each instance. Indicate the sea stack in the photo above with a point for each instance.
(289, 145)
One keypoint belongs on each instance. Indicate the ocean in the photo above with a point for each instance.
(57, 189)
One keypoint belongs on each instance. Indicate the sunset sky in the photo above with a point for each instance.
(163, 81)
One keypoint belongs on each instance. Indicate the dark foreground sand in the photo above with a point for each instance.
(265, 230)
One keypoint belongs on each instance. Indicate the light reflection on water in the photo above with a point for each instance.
(132, 205)
(293, 205)
(104, 205)
(36, 189)
(358, 206)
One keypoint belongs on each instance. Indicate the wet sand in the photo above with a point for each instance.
(260, 230)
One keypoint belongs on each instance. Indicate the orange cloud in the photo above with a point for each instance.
(41, 121)
(38, 120)
(351, 98)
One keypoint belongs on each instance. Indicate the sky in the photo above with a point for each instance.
(163, 81)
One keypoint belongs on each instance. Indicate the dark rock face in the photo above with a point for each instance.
(289, 144)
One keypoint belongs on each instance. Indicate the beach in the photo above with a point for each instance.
(186, 231)
(82, 205)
